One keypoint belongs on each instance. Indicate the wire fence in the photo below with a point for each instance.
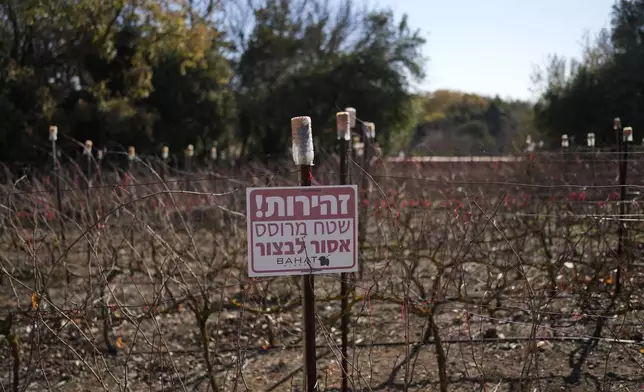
(478, 274)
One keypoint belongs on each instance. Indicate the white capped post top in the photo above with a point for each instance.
(88, 147)
(628, 134)
(302, 141)
(343, 121)
(190, 150)
(371, 130)
(53, 133)
(352, 116)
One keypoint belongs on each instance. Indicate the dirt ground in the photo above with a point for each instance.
(160, 349)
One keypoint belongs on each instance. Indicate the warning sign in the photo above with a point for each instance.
(302, 230)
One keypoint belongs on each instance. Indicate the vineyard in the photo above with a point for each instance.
(477, 275)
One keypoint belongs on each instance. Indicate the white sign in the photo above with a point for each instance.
(302, 230)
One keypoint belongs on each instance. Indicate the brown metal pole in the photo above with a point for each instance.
(366, 142)
(189, 153)
(352, 123)
(87, 153)
(617, 127)
(165, 152)
(344, 135)
(53, 136)
(622, 234)
(308, 286)
(303, 157)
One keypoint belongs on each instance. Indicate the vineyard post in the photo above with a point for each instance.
(213, 159)
(165, 152)
(530, 147)
(617, 127)
(564, 147)
(100, 154)
(367, 129)
(131, 154)
(87, 153)
(627, 137)
(357, 150)
(590, 139)
(303, 157)
(352, 122)
(344, 136)
(53, 136)
(189, 153)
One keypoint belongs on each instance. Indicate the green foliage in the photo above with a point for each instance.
(319, 64)
(94, 68)
(152, 72)
(451, 122)
(585, 96)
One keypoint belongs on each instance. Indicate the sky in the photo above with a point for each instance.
(490, 47)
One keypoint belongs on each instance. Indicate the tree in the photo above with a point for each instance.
(319, 63)
(606, 83)
(152, 72)
(455, 122)
(89, 66)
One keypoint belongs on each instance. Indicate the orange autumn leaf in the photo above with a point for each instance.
(119, 343)
(609, 280)
(642, 350)
(34, 301)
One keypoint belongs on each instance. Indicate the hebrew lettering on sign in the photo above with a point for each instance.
(303, 206)
(296, 247)
(302, 230)
(331, 226)
(290, 229)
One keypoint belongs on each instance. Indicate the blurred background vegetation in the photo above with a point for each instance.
(172, 72)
